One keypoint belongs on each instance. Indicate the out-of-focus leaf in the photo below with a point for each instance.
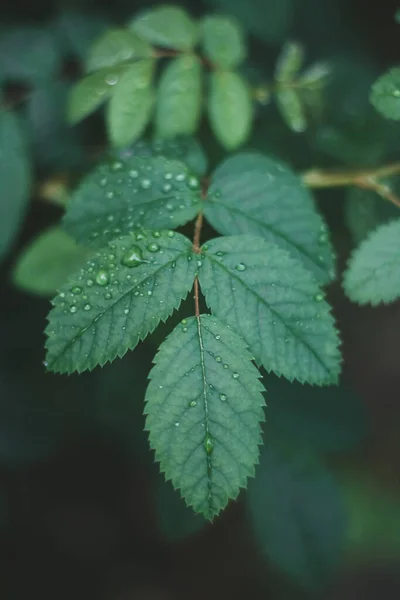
(385, 94)
(116, 46)
(167, 26)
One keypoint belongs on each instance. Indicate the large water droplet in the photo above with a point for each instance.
(180, 177)
(208, 444)
(133, 173)
(87, 307)
(133, 257)
(102, 277)
(73, 309)
(153, 247)
(240, 267)
(193, 183)
(76, 290)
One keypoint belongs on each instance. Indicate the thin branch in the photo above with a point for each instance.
(196, 297)
(197, 233)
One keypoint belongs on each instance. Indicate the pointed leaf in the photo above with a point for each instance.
(372, 276)
(251, 193)
(131, 103)
(385, 94)
(116, 46)
(89, 93)
(291, 108)
(166, 26)
(289, 62)
(117, 299)
(270, 299)
(297, 513)
(125, 194)
(15, 178)
(204, 407)
(223, 41)
(46, 263)
(230, 108)
(179, 97)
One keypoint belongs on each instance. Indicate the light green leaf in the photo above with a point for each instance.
(179, 97)
(251, 193)
(125, 194)
(89, 93)
(230, 108)
(117, 299)
(331, 419)
(373, 272)
(131, 103)
(15, 178)
(116, 46)
(204, 408)
(46, 263)
(385, 94)
(167, 26)
(291, 108)
(289, 62)
(296, 513)
(223, 41)
(274, 303)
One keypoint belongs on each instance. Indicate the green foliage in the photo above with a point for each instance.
(15, 178)
(167, 26)
(204, 407)
(118, 298)
(372, 275)
(116, 46)
(250, 193)
(223, 41)
(256, 288)
(364, 211)
(385, 94)
(296, 512)
(46, 263)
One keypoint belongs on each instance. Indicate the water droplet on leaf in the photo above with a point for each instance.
(102, 277)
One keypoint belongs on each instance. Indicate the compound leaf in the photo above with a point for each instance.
(385, 94)
(46, 263)
(116, 46)
(204, 408)
(179, 97)
(125, 194)
(251, 193)
(230, 108)
(223, 41)
(166, 26)
(297, 513)
(372, 275)
(274, 303)
(117, 299)
(131, 103)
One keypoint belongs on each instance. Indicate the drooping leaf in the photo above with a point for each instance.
(15, 178)
(252, 193)
(385, 94)
(204, 408)
(167, 26)
(46, 263)
(223, 41)
(179, 97)
(131, 103)
(364, 211)
(296, 513)
(125, 194)
(230, 108)
(116, 46)
(89, 93)
(117, 299)
(289, 62)
(291, 108)
(274, 303)
(372, 275)
(331, 419)
(184, 148)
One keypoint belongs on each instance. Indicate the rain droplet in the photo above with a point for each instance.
(108, 296)
(223, 397)
(73, 309)
(240, 267)
(87, 307)
(126, 311)
(156, 234)
(102, 277)
(235, 375)
(76, 290)
(208, 444)
(199, 263)
(184, 329)
(117, 165)
(140, 236)
(133, 257)
(145, 184)
(319, 297)
(133, 173)
(176, 423)
(167, 187)
(171, 234)
(149, 293)
(220, 253)
(168, 176)
(111, 79)
(192, 403)
(90, 282)
(153, 247)
(184, 321)
(193, 183)
(217, 337)
(218, 358)
(180, 177)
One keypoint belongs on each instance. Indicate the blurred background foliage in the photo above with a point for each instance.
(83, 510)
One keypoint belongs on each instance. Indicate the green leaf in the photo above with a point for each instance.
(15, 178)
(291, 108)
(289, 62)
(117, 299)
(122, 195)
(296, 513)
(331, 419)
(364, 211)
(179, 97)
(131, 104)
(116, 46)
(274, 303)
(223, 41)
(373, 272)
(46, 263)
(167, 26)
(385, 94)
(230, 108)
(251, 193)
(89, 93)
(184, 148)
(204, 408)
